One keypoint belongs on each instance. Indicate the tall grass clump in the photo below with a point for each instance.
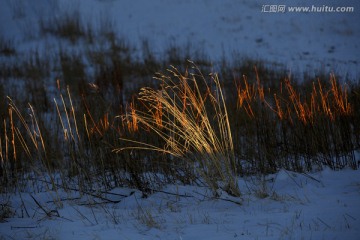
(189, 114)
(300, 127)
(98, 132)
(24, 147)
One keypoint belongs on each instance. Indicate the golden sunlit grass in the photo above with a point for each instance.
(188, 128)
(330, 102)
(193, 122)
(310, 124)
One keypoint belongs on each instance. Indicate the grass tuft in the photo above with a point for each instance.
(190, 116)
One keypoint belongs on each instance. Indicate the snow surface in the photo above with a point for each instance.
(324, 205)
(300, 42)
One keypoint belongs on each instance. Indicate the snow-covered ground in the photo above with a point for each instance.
(317, 42)
(323, 205)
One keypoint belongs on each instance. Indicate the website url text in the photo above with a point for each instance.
(309, 9)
